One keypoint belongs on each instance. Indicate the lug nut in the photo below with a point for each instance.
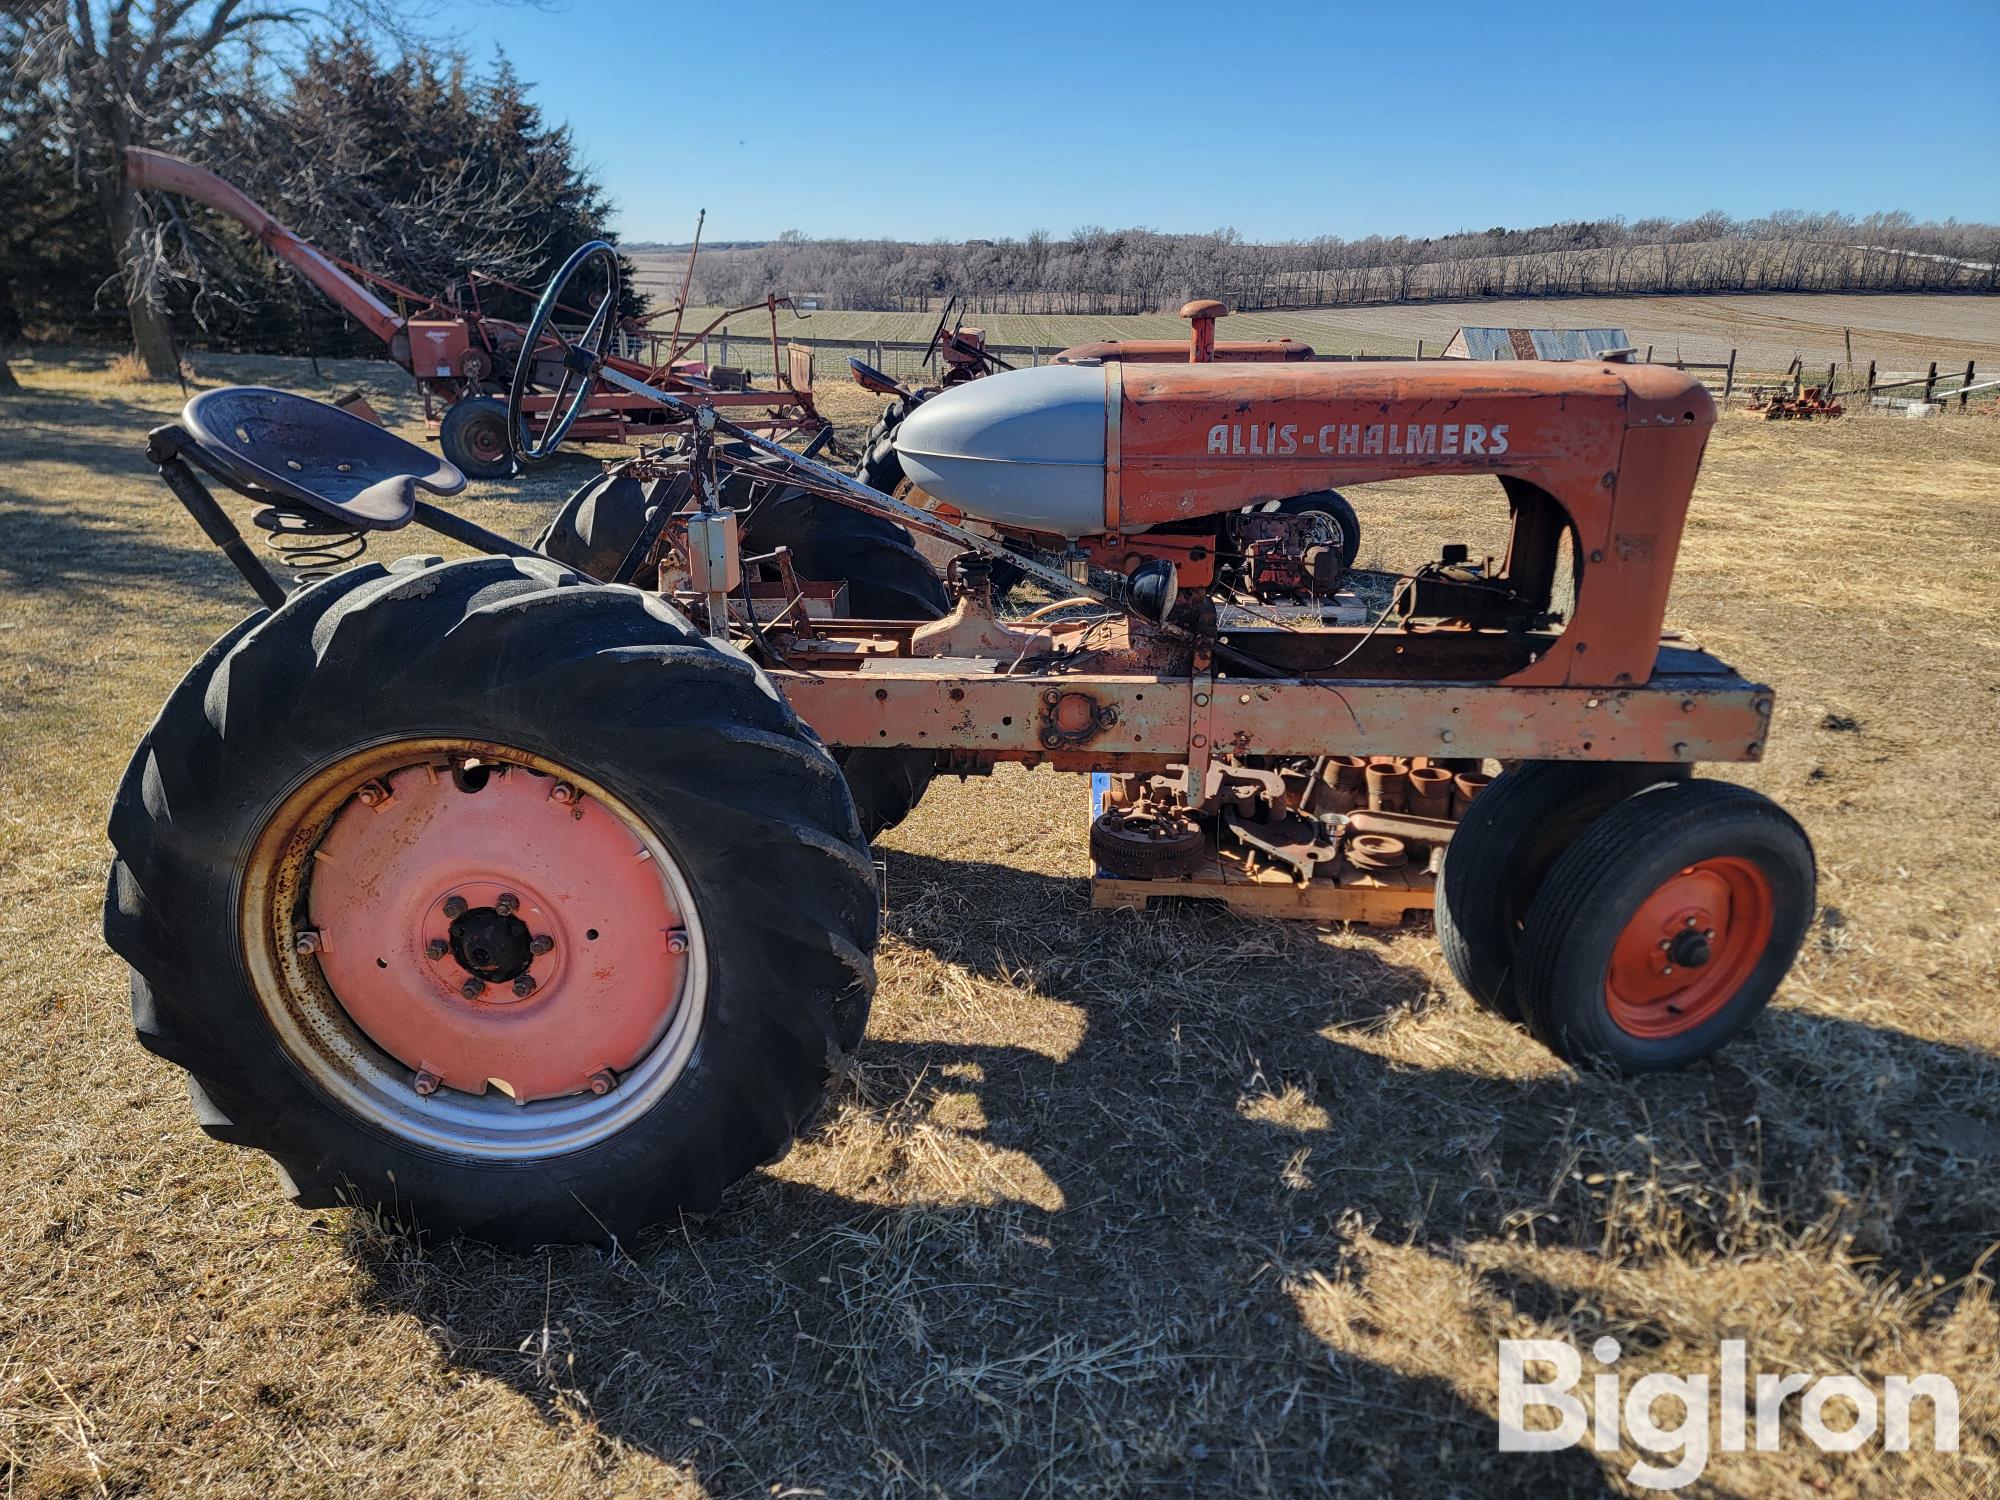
(677, 942)
(426, 1082)
(454, 907)
(603, 1081)
(507, 904)
(541, 943)
(373, 794)
(563, 792)
(472, 989)
(306, 942)
(1666, 968)
(436, 948)
(524, 986)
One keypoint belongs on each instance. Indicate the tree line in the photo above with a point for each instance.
(399, 155)
(1097, 270)
(375, 144)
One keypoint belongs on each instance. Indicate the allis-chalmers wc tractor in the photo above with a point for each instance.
(536, 905)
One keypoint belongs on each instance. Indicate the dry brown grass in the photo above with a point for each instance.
(1114, 1203)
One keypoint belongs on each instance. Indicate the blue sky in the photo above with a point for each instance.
(1280, 120)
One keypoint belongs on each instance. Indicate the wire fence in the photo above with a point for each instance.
(328, 334)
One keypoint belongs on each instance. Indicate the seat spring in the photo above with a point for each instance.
(310, 553)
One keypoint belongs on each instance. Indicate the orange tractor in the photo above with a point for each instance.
(538, 905)
(965, 357)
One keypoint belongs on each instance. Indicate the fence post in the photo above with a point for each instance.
(1828, 392)
(1871, 377)
(1649, 354)
(1964, 385)
(877, 360)
(725, 346)
(1729, 377)
(1420, 348)
(1930, 381)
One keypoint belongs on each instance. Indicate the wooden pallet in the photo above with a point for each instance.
(1380, 898)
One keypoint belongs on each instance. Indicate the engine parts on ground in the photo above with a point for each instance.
(1301, 836)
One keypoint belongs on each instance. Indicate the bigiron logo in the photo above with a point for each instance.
(1752, 1411)
(1358, 439)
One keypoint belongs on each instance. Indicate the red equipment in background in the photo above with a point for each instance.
(463, 357)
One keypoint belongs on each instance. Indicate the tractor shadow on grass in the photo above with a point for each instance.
(1142, 1241)
(88, 556)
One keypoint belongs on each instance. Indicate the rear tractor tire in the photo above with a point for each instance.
(886, 578)
(1332, 516)
(493, 900)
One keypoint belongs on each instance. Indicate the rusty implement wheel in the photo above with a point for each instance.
(473, 435)
(1147, 843)
(1664, 929)
(494, 900)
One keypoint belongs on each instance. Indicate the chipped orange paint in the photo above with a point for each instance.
(1616, 446)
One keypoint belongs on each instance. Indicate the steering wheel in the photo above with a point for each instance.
(580, 356)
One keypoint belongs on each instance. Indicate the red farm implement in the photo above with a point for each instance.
(464, 359)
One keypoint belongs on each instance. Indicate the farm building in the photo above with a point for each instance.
(1534, 343)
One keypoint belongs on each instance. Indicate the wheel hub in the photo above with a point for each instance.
(1689, 950)
(490, 946)
(496, 931)
(1689, 947)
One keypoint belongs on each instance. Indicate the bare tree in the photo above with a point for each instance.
(136, 72)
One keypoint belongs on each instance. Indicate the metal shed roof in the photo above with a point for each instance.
(1534, 343)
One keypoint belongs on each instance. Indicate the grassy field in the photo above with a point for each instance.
(1115, 1203)
(1898, 331)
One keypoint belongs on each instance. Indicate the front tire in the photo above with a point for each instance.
(1665, 929)
(469, 693)
(1502, 849)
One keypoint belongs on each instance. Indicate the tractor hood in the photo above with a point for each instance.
(1081, 449)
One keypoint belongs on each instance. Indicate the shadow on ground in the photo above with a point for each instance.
(1224, 1134)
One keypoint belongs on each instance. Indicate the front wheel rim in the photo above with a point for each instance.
(329, 907)
(1690, 948)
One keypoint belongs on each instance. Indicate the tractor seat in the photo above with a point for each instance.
(871, 379)
(274, 445)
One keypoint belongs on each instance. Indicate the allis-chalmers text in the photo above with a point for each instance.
(1362, 439)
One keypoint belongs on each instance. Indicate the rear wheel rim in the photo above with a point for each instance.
(1324, 528)
(1690, 948)
(389, 851)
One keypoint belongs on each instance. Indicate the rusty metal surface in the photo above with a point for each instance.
(1152, 719)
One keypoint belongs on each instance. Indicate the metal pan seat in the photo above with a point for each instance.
(293, 451)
